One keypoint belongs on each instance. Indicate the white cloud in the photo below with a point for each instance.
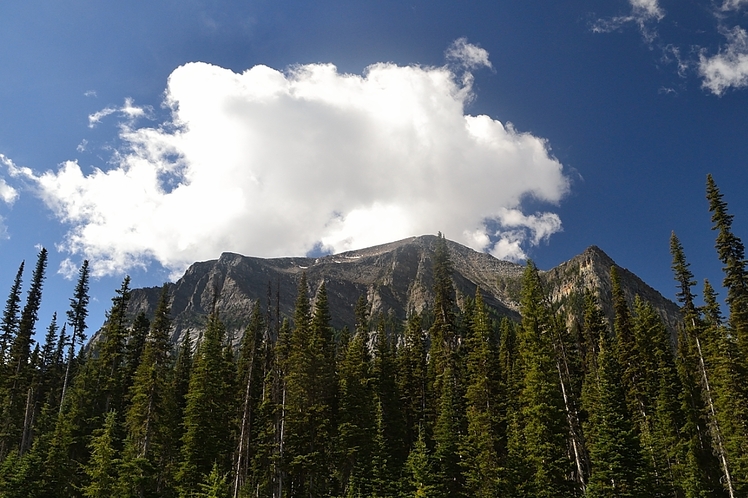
(270, 163)
(7, 193)
(643, 13)
(95, 118)
(128, 110)
(68, 269)
(729, 5)
(729, 68)
(516, 228)
(467, 55)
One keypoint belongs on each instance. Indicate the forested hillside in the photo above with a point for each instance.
(452, 399)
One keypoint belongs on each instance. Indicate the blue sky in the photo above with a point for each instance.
(147, 135)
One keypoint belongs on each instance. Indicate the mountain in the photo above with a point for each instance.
(395, 277)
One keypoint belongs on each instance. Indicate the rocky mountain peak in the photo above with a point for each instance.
(395, 277)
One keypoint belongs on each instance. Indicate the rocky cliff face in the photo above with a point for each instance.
(591, 270)
(395, 277)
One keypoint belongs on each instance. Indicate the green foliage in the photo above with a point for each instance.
(207, 416)
(480, 445)
(538, 449)
(102, 466)
(615, 453)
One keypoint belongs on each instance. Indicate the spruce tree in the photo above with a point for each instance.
(17, 390)
(480, 461)
(148, 445)
(311, 388)
(356, 424)
(540, 435)
(102, 467)
(412, 380)
(731, 253)
(207, 415)
(728, 415)
(249, 376)
(108, 364)
(614, 448)
(76, 316)
(9, 325)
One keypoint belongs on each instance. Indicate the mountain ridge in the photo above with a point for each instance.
(395, 277)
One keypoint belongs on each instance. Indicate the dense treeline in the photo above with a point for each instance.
(453, 402)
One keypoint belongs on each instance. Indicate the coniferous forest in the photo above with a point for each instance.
(455, 401)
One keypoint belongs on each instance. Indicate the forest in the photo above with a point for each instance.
(455, 401)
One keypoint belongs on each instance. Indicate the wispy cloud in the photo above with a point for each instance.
(7, 193)
(645, 14)
(728, 68)
(733, 5)
(467, 55)
(272, 163)
(128, 110)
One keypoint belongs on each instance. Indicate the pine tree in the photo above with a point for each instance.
(9, 326)
(626, 347)
(206, 440)
(311, 389)
(148, 445)
(419, 471)
(215, 485)
(731, 252)
(18, 392)
(614, 448)
(137, 336)
(102, 467)
(482, 468)
(387, 400)
(108, 365)
(412, 380)
(661, 390)
(76, 316)
(250, 376)
(356, 424)
(702, 466)
(21, 346)
(540, 435)
(729, 417)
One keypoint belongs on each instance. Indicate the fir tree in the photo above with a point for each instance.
(356, 424)
(102, 467)
(148, 445)
(731, 252)
(614, 448)
(109, 362)
(18, 392)
(311, 393)
(76, 316)
(412, 380)
(541, 430)
(9, 326)
(249, 375)
(482, 468)
(419, 471)
(206, 440)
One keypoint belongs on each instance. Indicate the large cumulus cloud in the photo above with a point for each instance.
(275, 163)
